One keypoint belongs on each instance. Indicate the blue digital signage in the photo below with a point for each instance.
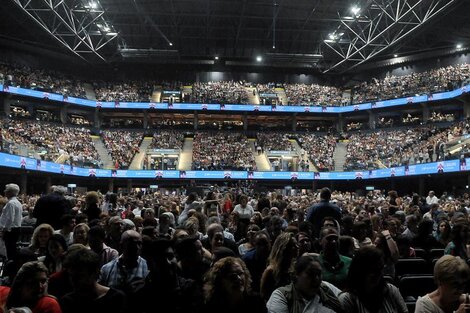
(19, 162)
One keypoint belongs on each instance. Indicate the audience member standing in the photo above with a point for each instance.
(49, 209)
(10, 220)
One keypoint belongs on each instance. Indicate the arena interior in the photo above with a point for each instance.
(263, 156)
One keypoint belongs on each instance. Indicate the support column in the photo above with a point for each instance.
(23, 183)
(6, 106)
(372, 120)
(31, 111)
(466, 110)
(426, 113)
(48, 183)
(340, 123)
(111, 185)
(97, 119)
(294, 122)
(129, 185)
(314, 185)
(245, 121)
(196, 120)
(422, 186)
(146, 120)
(63, 115)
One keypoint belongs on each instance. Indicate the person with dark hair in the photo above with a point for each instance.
(443, 232)
(281, 258)
(215, 239)
(191, 261)
(164, 285)
(256, 259)
(319, 211)
(12, 266)
(88, 295)
(50, 208)
(274, 225)
(424, 239)
(91, 205)
(68, 223)
(96, 237)
(29, 289)
(227, 288)
(305, 243)
(458, 245)
(334, 266)
(367, 290)
(307, 292)
(56, 249)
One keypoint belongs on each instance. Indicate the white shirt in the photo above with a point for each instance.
(137, 211)
(244, 213)
(432, 200)
(12, 215)
(277, 303)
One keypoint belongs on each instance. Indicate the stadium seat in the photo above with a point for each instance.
(436, 253)
(420, 253)
(26, 232)
(412, 287)
(415, 266)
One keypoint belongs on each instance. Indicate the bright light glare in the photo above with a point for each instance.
(355, 10)
(259, 58)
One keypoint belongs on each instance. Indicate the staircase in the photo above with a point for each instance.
(185, 161)
(281, 94)
(340, 156)
(89, 91)
(138, 160)
(297, 149)
(253, 96)
(262, 162)
(156, 95)
(105, 157)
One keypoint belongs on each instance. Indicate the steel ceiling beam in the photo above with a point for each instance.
(379, 26)
(79, 25)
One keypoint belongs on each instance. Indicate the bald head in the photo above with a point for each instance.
(131, 243)
(130, 235)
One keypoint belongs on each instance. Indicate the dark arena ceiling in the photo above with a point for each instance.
(332, 36)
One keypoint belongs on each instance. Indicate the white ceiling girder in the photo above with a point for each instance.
(380, 26)
(77, 26)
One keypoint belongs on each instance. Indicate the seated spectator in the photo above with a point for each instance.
(56, 249)
(80, 234)
(88, 295)
(458, 245)
(29, 289)
(451, 275)
(96, 237)
(228, 288)
(283, 254)
(367, 291)
(40, 238)
(68, 224)
(335, 267)
(127, 272)
(307, 292)
(164, 286)
(229, 92)
(122, 146)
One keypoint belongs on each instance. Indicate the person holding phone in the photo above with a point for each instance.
(451, 274)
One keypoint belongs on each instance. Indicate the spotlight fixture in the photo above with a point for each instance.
(259, 58)
(355, 10)
(459, 46)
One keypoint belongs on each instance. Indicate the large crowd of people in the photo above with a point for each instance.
(314, 94)
(131, 91)
(49, 141)
(224, 92)
(167, 139)
(421, 83)
(40, 79)
(319, 149)
(402, 147)
(122, 146)
(220, 151)
(233, 92)
(276, 141)
(234, 250)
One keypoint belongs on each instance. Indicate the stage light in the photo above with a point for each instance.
(355, 10)
(459, 46)
(259, 58)
(216, 58)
